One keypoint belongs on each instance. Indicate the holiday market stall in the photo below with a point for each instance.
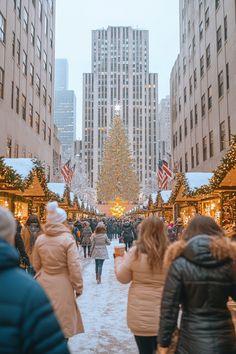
(162, 207)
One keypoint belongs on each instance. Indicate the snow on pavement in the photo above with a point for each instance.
(103, 309)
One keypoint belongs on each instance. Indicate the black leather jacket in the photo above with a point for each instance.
(201, 284)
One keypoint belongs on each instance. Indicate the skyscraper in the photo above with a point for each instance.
(120, 76)
(65, 111)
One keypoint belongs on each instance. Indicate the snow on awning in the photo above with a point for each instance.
(57, 188)
(198, 179)
(22, 166)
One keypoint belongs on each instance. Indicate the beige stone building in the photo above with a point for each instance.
(203, 84)
(27, 32)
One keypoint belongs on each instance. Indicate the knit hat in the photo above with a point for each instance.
(101, 224)
(7, 225)
(55, 214)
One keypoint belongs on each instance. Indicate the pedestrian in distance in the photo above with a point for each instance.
(57, 266)
(99, 250)
(30, 233)
(201, 278)
(178, 228)
(27, 322)
(20, 247)
(127, 234)
(86, 238)
(142, 266)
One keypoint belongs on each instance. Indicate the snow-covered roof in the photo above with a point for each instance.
(166, 195)
(22, 166)
(198, 179)
(58, 188)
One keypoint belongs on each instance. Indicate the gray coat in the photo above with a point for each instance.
(99, 249)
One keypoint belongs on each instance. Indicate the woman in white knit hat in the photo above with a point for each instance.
(57, 266)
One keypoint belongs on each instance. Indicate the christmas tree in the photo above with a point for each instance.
(117, 178)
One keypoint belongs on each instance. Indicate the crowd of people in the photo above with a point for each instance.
(180, 281)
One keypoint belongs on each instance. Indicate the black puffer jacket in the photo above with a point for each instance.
(127, 232)
(201, 279)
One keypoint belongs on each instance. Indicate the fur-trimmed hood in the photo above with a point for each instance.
(204, 250)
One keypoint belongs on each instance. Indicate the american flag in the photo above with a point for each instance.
(67, 172)
(163, 174)
(159, 174)
(166, 169)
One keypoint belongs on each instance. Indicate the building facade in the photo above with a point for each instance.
(27, 31)
(203, 84)
(120, 76)
(65, 111)
(164, 130)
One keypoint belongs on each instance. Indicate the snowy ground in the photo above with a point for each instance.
(103, 309)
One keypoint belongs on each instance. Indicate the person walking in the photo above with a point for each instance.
(127, 234)
(142, 266)
(99, 250)
(27, 322)
(30, 233)
(201, 278)
(86, 239)
(57, 266)
(20, 247)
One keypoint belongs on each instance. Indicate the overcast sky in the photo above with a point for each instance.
(75, 19)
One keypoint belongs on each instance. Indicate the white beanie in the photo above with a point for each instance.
(55, 214)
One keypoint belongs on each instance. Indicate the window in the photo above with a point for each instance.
(184, 65)
(201, 30)
(44, 95)
(194, 45)
(17, 99)
(209, 97)
(225, 28)
(203, 105)
(46, 25)
(13, 46)
(190, 86)
(208, 56)
(2, 28)
(18, 52)
(186, 161)
(45, 60)
(37, 123)
(51, 38)
(23, 107)
(25, 20)
(220, 84)
(49, 136)
(2, 74)
(31, 74)
(222, 136)
(37, 83)
(192, 157)
(33, 2)
(180, 165)
(202, 65)
(40, 10)
(18, 8)
(204, 148)
(191, 119)
(49, 105)
(9, 147)
(12, 94)
(185, 95)
(185, 127)
(207, 19)
(38, 48)
(180, 133)
(16, 150)
(32, 34)
(219, 39)
(195, 78)
(211, 146)
(31, 115)
(217, 3)
(44, 130)
(197, 154)
(227, 76)
(24, 62)
(50, 72)
(195, 114)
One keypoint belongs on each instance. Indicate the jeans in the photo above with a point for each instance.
(98, 266)
(85, 247)
(146, 345)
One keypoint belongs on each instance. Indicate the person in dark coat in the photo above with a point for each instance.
(201, 278)
(27, 322)
(127, 235)
(19, 244)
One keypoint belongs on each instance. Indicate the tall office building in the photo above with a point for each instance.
(120, 76)
(203, 84)
(26, 79)
(65, 111)
(164, 129)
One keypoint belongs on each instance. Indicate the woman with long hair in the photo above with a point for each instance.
(142, 266)
(99, 250)
(29, 233)
(201, 278)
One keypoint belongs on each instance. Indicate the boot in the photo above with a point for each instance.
(97, 277)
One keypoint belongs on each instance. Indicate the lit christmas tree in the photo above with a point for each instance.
(117, 178)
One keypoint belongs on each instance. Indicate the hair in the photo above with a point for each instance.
(152, 241)
(100, 229)
(32, 219)
(202, 225)
(7, 225)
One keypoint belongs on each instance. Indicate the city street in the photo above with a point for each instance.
(103, 309)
